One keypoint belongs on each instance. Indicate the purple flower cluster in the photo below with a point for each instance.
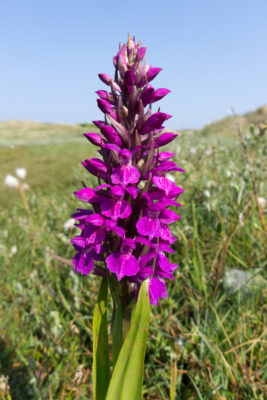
(127, 226)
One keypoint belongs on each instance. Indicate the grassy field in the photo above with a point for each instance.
(206, 340)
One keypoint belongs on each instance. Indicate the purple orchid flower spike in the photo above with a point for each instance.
(126, 224)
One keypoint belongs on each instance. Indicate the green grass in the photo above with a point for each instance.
(214, 337)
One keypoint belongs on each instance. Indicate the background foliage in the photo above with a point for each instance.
(206, 340)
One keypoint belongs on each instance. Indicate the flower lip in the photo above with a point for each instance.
(157, 289)
(123, 263)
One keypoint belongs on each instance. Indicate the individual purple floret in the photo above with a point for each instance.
(126, 227)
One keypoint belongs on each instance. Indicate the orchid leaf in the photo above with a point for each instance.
(127, 379)
(100, 344)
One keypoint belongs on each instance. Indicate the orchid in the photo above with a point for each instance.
(132, 169)
(125, 232)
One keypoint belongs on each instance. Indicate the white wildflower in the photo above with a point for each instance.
(262, 202)
(207, 193)
(236, 279)
(193, 150)
(11, 181)
(180, 343)
(228, 173)
(21, 173)
(13, 250)
(208, 152)
(69, 224)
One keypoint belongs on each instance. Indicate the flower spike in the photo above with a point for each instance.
(126, 224)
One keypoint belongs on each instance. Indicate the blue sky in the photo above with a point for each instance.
(213, 55)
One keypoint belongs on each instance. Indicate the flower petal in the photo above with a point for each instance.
(122, 265)
(83, 262)
(157, 289)
(148, 226)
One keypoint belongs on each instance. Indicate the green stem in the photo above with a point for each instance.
(126, 309)
(121, 317)
(24, 200)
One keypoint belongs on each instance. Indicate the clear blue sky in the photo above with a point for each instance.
(213, 54)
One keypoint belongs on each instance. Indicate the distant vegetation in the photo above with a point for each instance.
(14, 133)
(227, 125)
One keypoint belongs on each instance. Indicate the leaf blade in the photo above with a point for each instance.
(127, 379)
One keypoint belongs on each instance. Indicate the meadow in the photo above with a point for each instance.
(207, 339)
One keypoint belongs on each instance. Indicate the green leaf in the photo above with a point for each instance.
(100, 344)
(127, 379)
(116, 330)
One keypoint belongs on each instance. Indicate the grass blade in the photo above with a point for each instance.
(100, 344)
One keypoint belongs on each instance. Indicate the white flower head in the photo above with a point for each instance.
(235, 279)
(207, 193)
(11, 181)
(69, 224)
(21, 173)
(13, 250)
(208, 152)
(262, 202)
